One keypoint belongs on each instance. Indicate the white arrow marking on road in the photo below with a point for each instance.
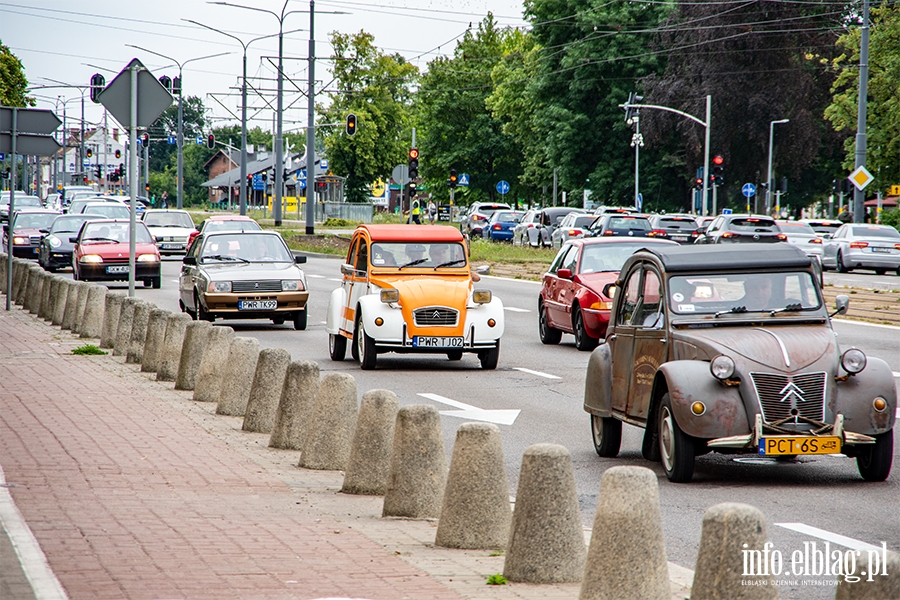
(473, 413)
(514, 309)
(829, 537)
(538, 373)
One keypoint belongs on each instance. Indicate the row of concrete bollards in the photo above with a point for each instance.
(398, 453)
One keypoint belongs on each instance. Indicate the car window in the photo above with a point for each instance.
(794, 227)
(631, 295)
(885, 232)
(231, 226)
(555, 265)
(755, 224)
(677, 223)
(583, 221)
(110, 211)
(507, 216)
(570, 259)
(68, 224)
(245, 247)
(649, 313)
(168, 219)
(743, 292)
(629, 223)
(607, 257)
(362, 256)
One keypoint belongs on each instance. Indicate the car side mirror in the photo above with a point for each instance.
(73, 240)
(347, 269)
(609, 290)
(564, 273)
(299, 260)
(189, 260)
(841, 305)
(197, 227)
(45, 231)
(483, 270)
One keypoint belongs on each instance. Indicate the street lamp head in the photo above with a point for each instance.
(781, 121)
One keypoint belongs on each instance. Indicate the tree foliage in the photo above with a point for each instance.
(13, 84)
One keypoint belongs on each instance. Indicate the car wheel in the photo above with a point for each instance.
(156, 282)
(582, 340)
(607, 435)
(874, 462)
(549, 336)
(200, 313)
(490, 357)
(148, 282)
(880, 271)
(300, 320)
(839, 263)
(337, 347)
(676, 448)
(365, 347)
(455, 355)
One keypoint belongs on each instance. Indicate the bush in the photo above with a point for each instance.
(334, 222)
(891, 217)
(88, 349)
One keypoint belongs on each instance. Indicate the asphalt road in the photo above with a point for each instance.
(546, 385)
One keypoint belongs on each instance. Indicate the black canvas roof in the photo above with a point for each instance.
(729, 257)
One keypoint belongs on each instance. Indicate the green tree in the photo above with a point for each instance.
(13, 84)
(193, 125)
(376, 88)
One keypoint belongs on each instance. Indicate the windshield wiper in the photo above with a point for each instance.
(413, 263)
(100, 239)
(797, 307)
(448, 263)
(226, 258)
(733, 309)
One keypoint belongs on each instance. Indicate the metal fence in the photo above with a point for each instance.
(364, 213)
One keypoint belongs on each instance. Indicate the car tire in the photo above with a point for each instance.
(300, 320)
(582, 340)
(874, 462)
(454, 355)
(880, 271)
(839, 263)
(156, 282)
(337, 347)
(549, 336)
(365, 347)
(676, 448)
(200, 313)
(607, 435)
(490, 357)
(148, 282)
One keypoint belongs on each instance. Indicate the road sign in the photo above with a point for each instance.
(861, 178)
(748, 190)
(2, 156)
(29, 120)
(726, 211)
(463, 179)
(172, 140)
(640, 202)
(323, 163)
(198, 140)
(31, 145)
(503, 187)
(152, 98)
(400, 174)
(258, 183)
(301, 183)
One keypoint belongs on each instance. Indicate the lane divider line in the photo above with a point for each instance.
(335, 279)
(311, 276)
(538, 373)
(828, 536)
(473, 413)
(515, 309)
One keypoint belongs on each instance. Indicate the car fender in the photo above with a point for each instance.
(688, 381)
(853, 398)
(598, 382)
(391, 328)
(336, 303)
(477, 316)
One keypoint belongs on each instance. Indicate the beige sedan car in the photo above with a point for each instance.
(237, 275)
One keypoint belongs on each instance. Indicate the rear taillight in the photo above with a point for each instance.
(608, 232)
(497, 227)
(695, 234)
(859, 244)
(897, 246)
(815, 241)
(781, 237)
(657, 233)
(574, 232)
(729, 234)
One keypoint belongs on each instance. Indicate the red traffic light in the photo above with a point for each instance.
(718, 160)
(211, 141)
(413, 153)
(118, 153)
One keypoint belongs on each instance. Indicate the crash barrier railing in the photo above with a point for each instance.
(398, 453)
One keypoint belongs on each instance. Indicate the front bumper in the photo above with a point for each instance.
(98, 272)
(26, 250)
(226, 305)
(596, 322)
(750, 442)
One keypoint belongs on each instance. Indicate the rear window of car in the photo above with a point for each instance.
(69, 224)
(677, 223)
(584, 221)
(110, 210)
(793, 227)
(633, 223)
(755, 224)
(168, 219)
(885, 232)
(508, 216)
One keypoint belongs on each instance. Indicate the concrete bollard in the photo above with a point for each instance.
(22, 290)
(729, 530)
(35, 288)
(546, 539)
(135, 352)
(170, 355)
(92, 323)
(627, 531)
(123, 330)
(370, 450)
(213, 365)
(82, 304)
(195, 336)
(475, 512)
(4, 264)
(19, 277)
(326, 444)
(42, 281)
(50, 309)
(268, 382)
(45, 311)
(881, 581)
(111, 312)
(153, 341)
(71, 314)
(298, 398)
(418, 472)
(242, 358)
(59, 306)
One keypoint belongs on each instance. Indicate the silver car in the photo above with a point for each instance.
(574, 225)
(863, 246)
(527, 229)
(803, 236)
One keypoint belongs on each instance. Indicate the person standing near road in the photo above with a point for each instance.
(164, 201)
(845, 216)
(416, 211)
(432, 211)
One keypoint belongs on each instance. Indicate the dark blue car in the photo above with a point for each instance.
(501, 224)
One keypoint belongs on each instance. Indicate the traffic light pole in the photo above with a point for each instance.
(858, 195)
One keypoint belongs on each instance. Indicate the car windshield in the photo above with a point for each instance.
(110, 211)
(231, 226)
(754, 224)
(33, 220)
(598, 258)
(70, 224)
(245, 247)
(105, 231)
(742, 293)
(168, 219)
(419, 254)
(870, 232)
(793, 228)
(26, 201)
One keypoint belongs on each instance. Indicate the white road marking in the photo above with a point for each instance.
(43, 581)
(473, 413)
(852, 322)
(315, 276)
(514, 309)
(335, 279)
(828, 536)
(538, 373)
(896, 373)
(514, 280)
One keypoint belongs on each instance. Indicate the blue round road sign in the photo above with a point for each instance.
(503, 187)
(748, 190)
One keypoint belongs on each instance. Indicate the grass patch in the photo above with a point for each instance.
(497, 553)
(483, 250)
(89, 350)
(497, 579)
(317, 243)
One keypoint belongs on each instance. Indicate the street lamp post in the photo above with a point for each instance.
(772, 125)
(180, 139)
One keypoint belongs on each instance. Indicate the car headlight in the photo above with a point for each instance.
(853, 361)
(147, 258)
(19, 240)
(219, 287)
(390, 295)
(291, 285)
(721, 367)
(91, 258)
(54, 241)
(481, 296)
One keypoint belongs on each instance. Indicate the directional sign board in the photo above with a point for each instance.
(30, 145)
(32, 128)
(463, 179)
(748, 189)
(152, 97)
(726, 211)
(172, 140)
(503, 187)
(861, 178)
(198, 140)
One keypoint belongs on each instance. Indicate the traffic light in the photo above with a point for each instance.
(147, 187)
(176, 86)
(166, 82)
(631, 113)
(718, 170)
(145, 140)
(210, 141)
(121, 168)
(835, 186)
(454, 178)
(698, 183)
(784, 185)
(118, 153)
(89, 152)
(413, 164)
(99, 172)
(411, 189)
(351, 124)
(98, 82)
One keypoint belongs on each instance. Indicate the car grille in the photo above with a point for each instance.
(779, 394)
(256, 286)
(35, 240)
(435, 315)
(173, 238)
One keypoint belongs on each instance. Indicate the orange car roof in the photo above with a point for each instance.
(412, 233)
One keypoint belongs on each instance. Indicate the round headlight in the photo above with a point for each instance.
(721, 367)
(853, 361)
(54, 241)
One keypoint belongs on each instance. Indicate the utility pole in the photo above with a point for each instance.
(554, 187)
(311, 127)
(858, 195)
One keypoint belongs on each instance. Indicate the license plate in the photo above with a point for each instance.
(878, 249)
(37, 250)
(772, 446)
(257, 304)
(172, 246)
(681, 238)
(119, 269)
(427, 341)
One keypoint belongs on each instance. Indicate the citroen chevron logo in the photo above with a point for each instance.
(436, 315)
(792, 393)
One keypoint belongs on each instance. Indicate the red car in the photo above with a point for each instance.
(29, 226)
(224, 223)
(572, 299)
(101, 253)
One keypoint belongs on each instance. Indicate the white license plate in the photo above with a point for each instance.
(119, 269)
(883, 250)
(172, 247)
(257, 304)
(429, 341)
(680, 237)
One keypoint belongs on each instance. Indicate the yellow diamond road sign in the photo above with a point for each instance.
(861, 178)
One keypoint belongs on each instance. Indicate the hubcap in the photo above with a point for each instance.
(598, 430)
(360, 346)
(666, 438)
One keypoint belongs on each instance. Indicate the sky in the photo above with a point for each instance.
(63, 42)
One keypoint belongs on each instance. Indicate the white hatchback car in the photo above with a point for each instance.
(171, 228)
